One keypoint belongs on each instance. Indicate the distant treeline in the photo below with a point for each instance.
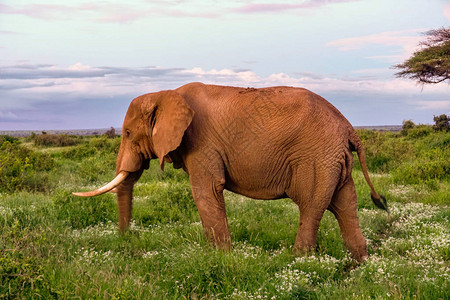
(80, 132)
(118, 131)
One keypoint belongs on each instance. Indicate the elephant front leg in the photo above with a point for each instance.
(208, 197)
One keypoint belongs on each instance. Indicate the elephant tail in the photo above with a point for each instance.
(356, 145)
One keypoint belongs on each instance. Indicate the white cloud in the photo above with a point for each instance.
(82, 81)
(406, 42)
(114, 11)
(447, 11)
(79, 67)
(48, 92)
(441, 105)
(7, 115)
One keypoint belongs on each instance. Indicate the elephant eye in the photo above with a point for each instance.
(127, 133)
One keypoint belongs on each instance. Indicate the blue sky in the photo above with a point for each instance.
(78, 64)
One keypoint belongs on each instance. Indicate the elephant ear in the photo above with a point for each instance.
(170, 120)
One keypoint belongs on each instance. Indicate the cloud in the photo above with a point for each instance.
(406, 42)
(115, 12)
(275, 7)
(447, 11)
(78, 70)
(82, 96)
(440, 105)
(39, 11)
(82, 81)
(8, 116)
(8, 32)
(98, 12)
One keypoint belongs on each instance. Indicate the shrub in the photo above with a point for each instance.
(22, 277)
(95, 146)
(105, 144)
(423, 170)
(21, 168)
(59, 140)
(407, 125)
(7, 138)
(419, 131)
(442, 123)
(384, 150)
(111, 133)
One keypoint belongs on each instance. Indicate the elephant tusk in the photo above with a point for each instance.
(106, 188)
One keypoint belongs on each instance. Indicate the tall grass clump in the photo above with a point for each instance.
(79, 212)
(22, 168)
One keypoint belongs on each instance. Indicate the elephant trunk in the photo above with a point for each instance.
(125, 199)
(124, 204)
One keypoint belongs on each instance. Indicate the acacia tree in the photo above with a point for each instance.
(431, 64)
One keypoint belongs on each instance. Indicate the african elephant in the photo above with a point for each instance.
(266, 143)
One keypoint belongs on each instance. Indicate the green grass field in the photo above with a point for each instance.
(55, 245)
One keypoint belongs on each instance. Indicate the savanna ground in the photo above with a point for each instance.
(55, 245)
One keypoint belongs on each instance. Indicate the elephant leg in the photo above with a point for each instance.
(312, 190)
(208, 196)
(306, 239)
(344, 207)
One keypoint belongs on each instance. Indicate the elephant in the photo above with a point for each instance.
(265, 143)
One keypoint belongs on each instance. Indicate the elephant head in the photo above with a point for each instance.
(154, 126)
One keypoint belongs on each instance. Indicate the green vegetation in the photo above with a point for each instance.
(59, 140)
(55, 245)
(21, 168)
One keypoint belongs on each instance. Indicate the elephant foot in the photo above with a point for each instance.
(218, 241)
(359, 253)
(303, 250)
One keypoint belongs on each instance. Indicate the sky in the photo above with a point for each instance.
(77, 64)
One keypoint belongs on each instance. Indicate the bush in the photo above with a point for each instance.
(442, 123)
(105, 144)
(21, 168)
(95, 146)
(7, 138)
(407, 125)
(424, 169)
(419, 131)
(59, 140)
(22, 277)
(384, 150)
(111, 133)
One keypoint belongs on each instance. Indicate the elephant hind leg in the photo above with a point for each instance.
(344, 207)
(312, 199)
(306, 238)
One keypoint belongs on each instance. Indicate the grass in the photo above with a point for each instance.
(55, 245)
